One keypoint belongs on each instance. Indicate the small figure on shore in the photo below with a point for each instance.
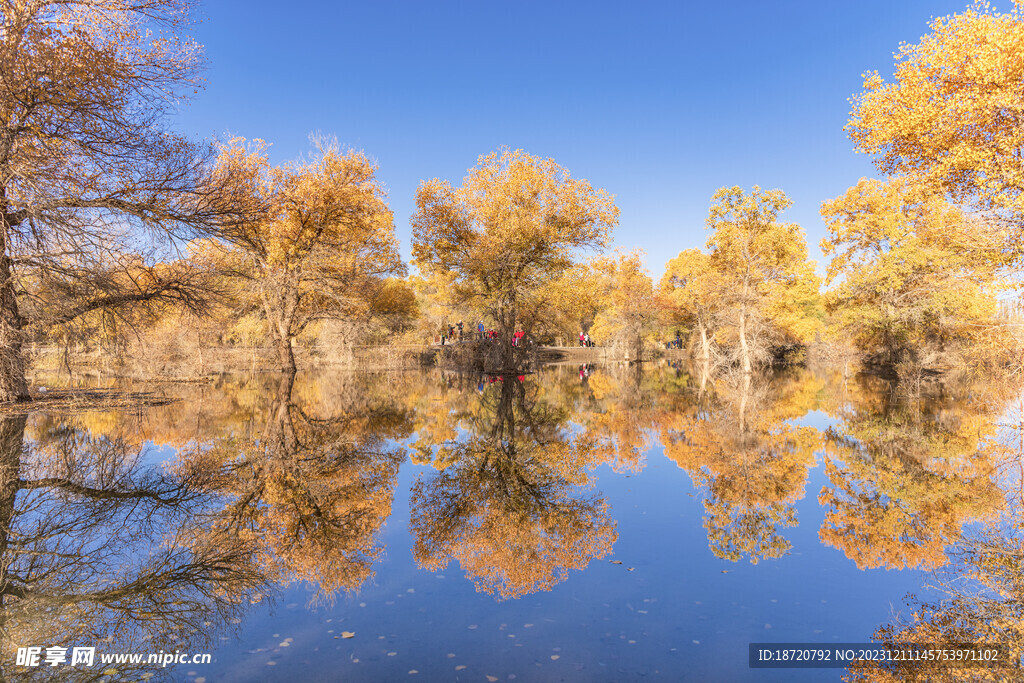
(460, 330)
(480, 330)
(587, 342)
(582, 339)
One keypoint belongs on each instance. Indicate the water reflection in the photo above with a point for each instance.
(979, 593)
(98, 546)
(309, 491)
(160, 528)
(907, 471)
(509, 501)
(740, 444)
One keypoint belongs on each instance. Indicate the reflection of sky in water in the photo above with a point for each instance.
(662, 605)
(681, 612)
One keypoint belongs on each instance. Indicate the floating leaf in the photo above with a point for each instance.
(348, 634)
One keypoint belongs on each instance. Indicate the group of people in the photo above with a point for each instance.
(585, 339)
(459, 333)
(452, 333)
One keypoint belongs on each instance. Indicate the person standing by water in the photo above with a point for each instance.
(480, 330)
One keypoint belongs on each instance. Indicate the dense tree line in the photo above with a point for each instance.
(120, 233)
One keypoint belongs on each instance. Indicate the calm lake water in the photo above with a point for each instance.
(578, 524)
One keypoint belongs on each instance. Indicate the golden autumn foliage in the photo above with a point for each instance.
(514, 224)
(318, 240)
(507, 503)
(690, 292)
(906, 476)
(768, 289)
(911, 274)
(950, 118)
(628, 313)
(87, 163)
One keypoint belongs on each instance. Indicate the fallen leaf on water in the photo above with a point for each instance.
(348, 634)
(413, 671)
(615, 561)
(492, 679)
(460, 667)
(553, 657)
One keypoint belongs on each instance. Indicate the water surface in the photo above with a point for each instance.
(580, 523)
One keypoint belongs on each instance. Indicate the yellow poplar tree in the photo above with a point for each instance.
(768, 285)
(952, 115)
(87, 165)
(320, 239)
(909, 271)
(628, 311)
(514, 224)
(689, 290)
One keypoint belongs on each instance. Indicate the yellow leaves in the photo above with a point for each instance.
(759, 265)
(950, 118)
(909, 266)
(512, 227)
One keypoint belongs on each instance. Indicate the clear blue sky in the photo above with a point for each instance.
(660, 103)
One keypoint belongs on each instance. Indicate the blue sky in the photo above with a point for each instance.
(660, 103)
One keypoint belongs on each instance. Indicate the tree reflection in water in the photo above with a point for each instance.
(310, 492)
(276, 482)
(509, 502)
(977, 597)
(908, 471)
(96, 546)
(738, 442)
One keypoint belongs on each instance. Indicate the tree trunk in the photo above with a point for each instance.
(13, 386)
(744, 349)
(705, 349)
(285, 355)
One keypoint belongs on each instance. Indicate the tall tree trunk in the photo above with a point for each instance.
(705, 348)
(744, 348)
(285, 355)
(13, 386)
